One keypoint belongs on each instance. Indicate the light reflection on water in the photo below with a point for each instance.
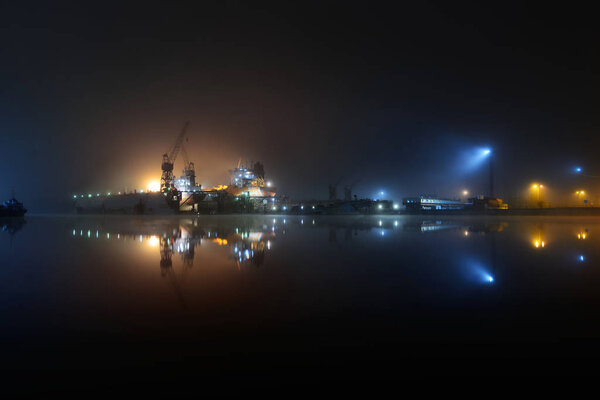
(281, 279)
(249, 239)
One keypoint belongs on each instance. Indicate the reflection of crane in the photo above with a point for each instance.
(166, 180)
(167, 270)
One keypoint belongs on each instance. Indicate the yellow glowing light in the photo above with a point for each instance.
(535, 186)
(153, 241)
(220, 242)
(154, 186)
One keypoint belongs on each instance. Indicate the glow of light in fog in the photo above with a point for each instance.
(153, 241)
(473, 159)
(154, 186)
(581, 258)
(480, 273)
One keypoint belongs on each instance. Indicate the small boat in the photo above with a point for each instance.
(12, 208)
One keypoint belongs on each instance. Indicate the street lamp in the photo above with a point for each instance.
(579, 194)
(488, 153)
(537, 188)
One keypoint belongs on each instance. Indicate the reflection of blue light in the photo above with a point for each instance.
(578, 169)
(581, 258)
(479, 273)
(382, 232)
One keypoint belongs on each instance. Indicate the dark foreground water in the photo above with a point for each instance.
(227, 304)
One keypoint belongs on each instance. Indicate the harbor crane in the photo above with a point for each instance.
(189, 170)
(333, 190)
(168, 159)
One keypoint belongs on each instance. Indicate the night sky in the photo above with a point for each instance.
(388, 95)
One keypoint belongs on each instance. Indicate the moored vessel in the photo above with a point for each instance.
(12, 208)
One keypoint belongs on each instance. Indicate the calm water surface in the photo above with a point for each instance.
(287, 300)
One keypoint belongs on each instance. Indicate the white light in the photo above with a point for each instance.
(268, 184)
(302, 207)
(396, 206)
(313, 207)
(486, 152)
(380, 206)
(74, 196)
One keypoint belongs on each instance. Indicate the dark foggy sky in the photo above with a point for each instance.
(386, 94)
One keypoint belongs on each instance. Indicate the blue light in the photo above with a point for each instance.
(578, 169)
(581, 258)
(490, 279)
(472, 159)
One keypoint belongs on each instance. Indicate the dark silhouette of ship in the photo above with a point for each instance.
(12, 208)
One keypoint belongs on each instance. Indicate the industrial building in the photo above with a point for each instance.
(429, 203)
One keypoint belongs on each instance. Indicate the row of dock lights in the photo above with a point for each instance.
(90, 195)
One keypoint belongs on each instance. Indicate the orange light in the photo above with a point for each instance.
(154, 186)
(153, 241)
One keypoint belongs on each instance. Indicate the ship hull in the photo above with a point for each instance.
(11, 213)
(135, 203)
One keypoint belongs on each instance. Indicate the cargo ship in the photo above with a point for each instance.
(126, 203)
(246, 190)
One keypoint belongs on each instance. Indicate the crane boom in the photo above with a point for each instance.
(177, 147)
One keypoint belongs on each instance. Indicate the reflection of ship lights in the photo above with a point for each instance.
(153, 241)
(582, 236)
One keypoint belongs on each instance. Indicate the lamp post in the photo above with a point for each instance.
(488, 153)
(538, 188)
(579, 194)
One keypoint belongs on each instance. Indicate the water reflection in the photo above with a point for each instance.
(247, 244)
(11, 225)
(261, 285)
